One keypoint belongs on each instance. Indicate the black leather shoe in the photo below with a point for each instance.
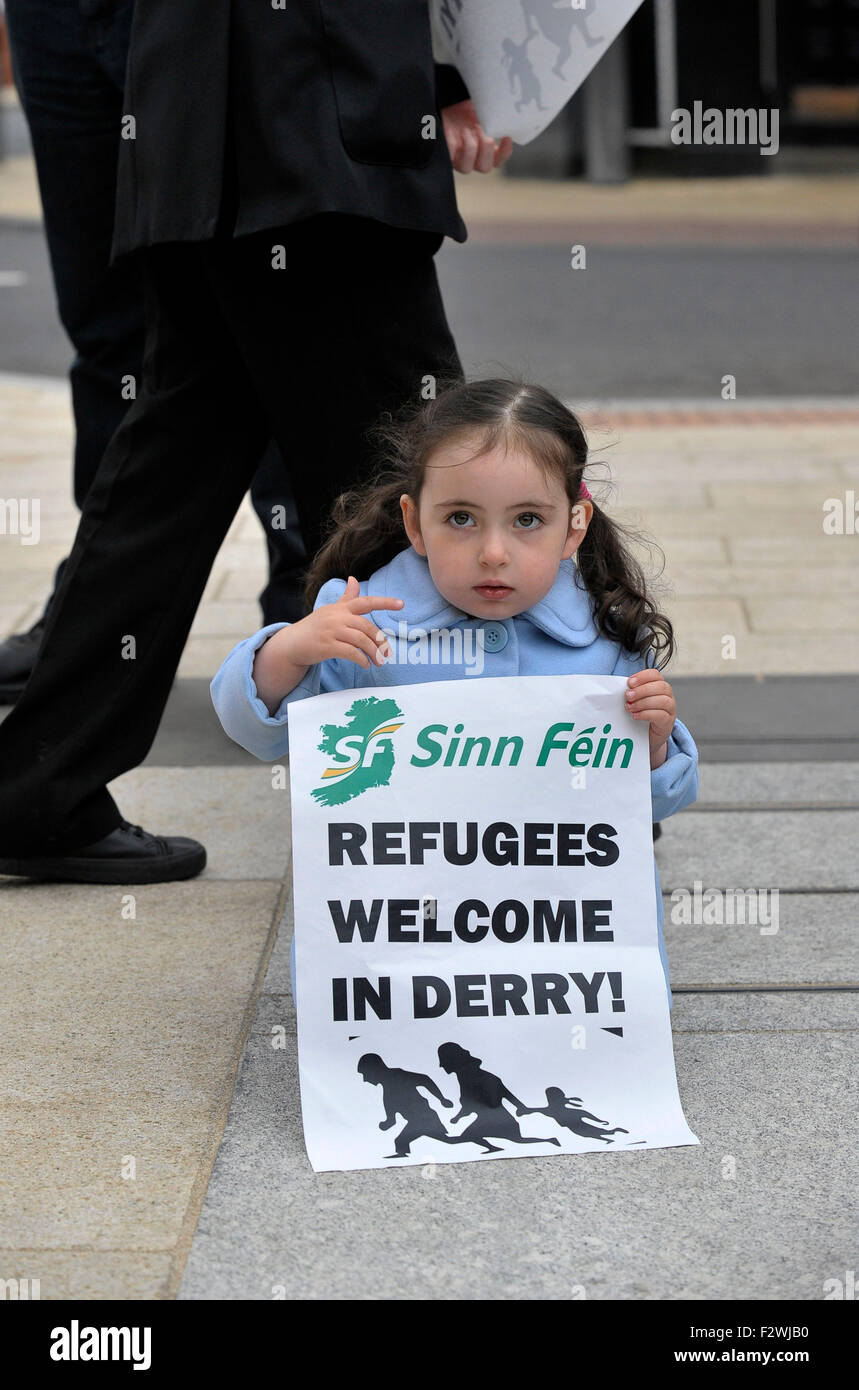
(17, 659)
(657, 831)
(128, 854)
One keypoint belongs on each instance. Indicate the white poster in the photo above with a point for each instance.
(522, 60)
(478, 973)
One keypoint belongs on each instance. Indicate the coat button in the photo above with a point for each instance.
(495, 637)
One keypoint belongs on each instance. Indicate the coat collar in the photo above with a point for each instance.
(565, 612)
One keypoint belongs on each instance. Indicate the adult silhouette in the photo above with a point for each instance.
(557, 22)
(401, 1096)
(285, 173)
(482, 1094)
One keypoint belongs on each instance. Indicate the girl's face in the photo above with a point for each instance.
(494, 529)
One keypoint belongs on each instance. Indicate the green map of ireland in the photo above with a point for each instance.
(362, 748)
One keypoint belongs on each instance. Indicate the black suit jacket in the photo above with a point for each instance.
(325, 102)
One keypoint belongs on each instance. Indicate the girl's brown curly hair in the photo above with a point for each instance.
(366, 526)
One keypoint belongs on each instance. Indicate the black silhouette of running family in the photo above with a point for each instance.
(481, 1094)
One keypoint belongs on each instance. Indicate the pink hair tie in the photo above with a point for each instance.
(583, 492)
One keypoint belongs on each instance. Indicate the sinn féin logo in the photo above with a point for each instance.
(363, 748)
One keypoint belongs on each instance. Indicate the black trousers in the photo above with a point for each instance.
(236, 351)
(69, 68)
(69, 59)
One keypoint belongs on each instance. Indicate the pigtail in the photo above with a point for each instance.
(617, 585)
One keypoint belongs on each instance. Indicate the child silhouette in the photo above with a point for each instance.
(515, 60)
(567, 1112)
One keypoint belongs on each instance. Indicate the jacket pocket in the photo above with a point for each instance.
(380, 55)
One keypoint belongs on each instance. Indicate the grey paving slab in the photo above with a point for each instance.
(274, 1011)
(123, 1021)
(765, 1208)
(756, 1011)
(237, 813)
(777, 784)
(277, 979)
(816, 942)
(92, 1274)
(771, 718)
(764, 750)
(190, 734)
(760, 849)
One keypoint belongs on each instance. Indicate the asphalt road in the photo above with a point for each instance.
(648, 322)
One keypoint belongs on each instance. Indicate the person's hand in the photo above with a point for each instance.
(469, 146)
(386, 1124)
(339, 630)
(335, 629)
(650, 697)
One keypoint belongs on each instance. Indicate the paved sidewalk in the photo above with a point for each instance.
(766, 1050)
(774, 210)
(123, 1035)
(737, 508)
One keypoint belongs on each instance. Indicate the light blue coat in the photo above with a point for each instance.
(555, 637)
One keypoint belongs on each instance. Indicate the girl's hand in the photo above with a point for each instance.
(650, 697)
(335, 629)
(339, 630)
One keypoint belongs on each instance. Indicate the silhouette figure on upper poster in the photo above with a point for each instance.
(481, 1095)
(567, 1112)
(557, 22)
(515, 59)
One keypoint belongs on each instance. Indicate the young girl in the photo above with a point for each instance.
(486, 485)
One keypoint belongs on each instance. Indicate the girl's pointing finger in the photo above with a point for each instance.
(368, 602)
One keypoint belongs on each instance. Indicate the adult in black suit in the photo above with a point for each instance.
(69, 59)
(286, 172)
